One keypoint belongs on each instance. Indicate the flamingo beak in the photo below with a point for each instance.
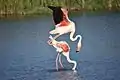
(78, 49)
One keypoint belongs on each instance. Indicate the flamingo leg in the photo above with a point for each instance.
(70, 61)
(57, 61)
(60, 61)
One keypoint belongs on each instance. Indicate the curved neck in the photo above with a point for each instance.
(66, 17)
(74, 39)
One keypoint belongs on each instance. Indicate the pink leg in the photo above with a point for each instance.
(56, 61)
(70, 61)
(60, 61)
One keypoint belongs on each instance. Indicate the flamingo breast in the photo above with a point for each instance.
(64, 23)
(64, 47)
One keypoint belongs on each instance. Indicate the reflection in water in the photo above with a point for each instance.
(65, 74)
(54, 70)
(69, 75)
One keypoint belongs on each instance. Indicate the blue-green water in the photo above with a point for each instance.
(25, 55)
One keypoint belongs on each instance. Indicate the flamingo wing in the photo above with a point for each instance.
(57, 14)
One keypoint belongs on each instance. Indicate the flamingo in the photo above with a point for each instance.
(64, 25)
(62, 47)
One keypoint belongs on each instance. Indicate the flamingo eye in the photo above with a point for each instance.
(50, 42)
(67, 9)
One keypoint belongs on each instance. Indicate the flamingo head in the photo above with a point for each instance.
(52, 41)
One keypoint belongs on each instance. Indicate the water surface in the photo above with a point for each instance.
(25, 55)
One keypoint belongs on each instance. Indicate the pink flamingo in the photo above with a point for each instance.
(62, 48)
(64, 25)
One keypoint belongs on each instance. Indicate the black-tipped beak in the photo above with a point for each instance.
(77, 51)
(54, 7)
(51, 7)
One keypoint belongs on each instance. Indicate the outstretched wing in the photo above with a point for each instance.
(57, 14)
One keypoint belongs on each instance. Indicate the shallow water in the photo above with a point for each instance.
(25, 55)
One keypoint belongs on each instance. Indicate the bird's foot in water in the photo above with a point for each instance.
(74, 69)
(61, 67)
(57, 69)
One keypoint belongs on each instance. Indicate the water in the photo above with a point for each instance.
(25, 55)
